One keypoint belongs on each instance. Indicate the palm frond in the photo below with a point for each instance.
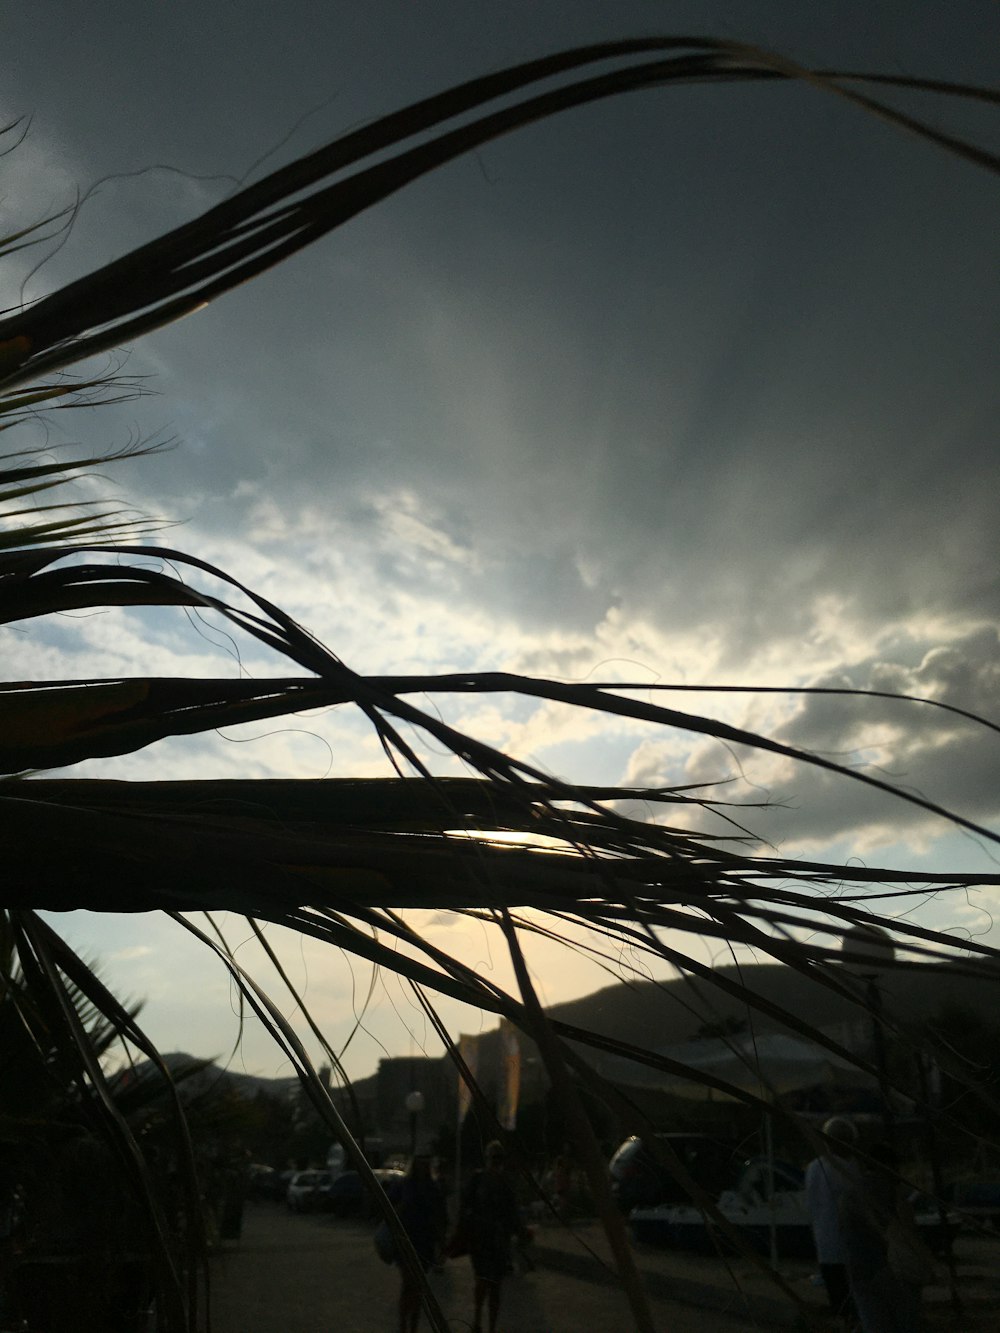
(26, 475)
(335, 860)
(74, 1018)
(269, 221)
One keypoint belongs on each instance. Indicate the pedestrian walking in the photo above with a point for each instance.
(887, 1262)
(421, 1208)
(490, 1217)
(828, 1178)
(562, 1181)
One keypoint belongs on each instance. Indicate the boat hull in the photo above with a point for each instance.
(686, 1228)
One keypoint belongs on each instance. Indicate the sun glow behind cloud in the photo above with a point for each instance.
(826, 817)
(560, 414)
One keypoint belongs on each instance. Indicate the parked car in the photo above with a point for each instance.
(347, 1195)
(309, 1191)
(263, 1182)
(640, 1179)
(976, 1201)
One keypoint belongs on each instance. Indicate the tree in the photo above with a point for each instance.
(73, 1198)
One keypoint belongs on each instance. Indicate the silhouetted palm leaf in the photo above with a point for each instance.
(271, 220)
(336, 859)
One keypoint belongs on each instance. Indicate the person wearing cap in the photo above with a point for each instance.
(829, 1178)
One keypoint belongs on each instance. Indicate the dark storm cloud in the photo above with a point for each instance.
(923, 751)
(697, 384)
(712, 357)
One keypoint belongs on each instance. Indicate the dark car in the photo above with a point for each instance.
(346, 1194)
(263, 1182)
(641, 1178)
(347, 1197)
(976, 1201)
(308, 1191)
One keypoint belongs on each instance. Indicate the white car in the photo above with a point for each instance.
(308, 1191)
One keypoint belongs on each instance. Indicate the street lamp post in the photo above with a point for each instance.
(414, 1104)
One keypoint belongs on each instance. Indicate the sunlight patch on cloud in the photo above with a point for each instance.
(130, 954)
(407, 520)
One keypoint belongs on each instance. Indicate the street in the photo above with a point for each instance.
(309, 1274)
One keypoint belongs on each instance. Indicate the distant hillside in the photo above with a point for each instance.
(247, 1085)
(656, 1015)
(659, 1014)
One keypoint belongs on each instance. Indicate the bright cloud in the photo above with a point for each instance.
(647, 394)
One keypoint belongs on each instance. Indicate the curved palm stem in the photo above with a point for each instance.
(267, 222)
(334, 860)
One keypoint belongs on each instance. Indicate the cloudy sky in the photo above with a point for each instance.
(693, 387)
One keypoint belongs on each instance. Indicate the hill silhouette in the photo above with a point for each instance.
(657, 1014)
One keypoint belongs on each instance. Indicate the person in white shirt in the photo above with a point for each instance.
(828, 1178)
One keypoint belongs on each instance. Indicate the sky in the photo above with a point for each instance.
(695, 386)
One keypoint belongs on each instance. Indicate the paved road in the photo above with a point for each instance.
(315, 1274)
